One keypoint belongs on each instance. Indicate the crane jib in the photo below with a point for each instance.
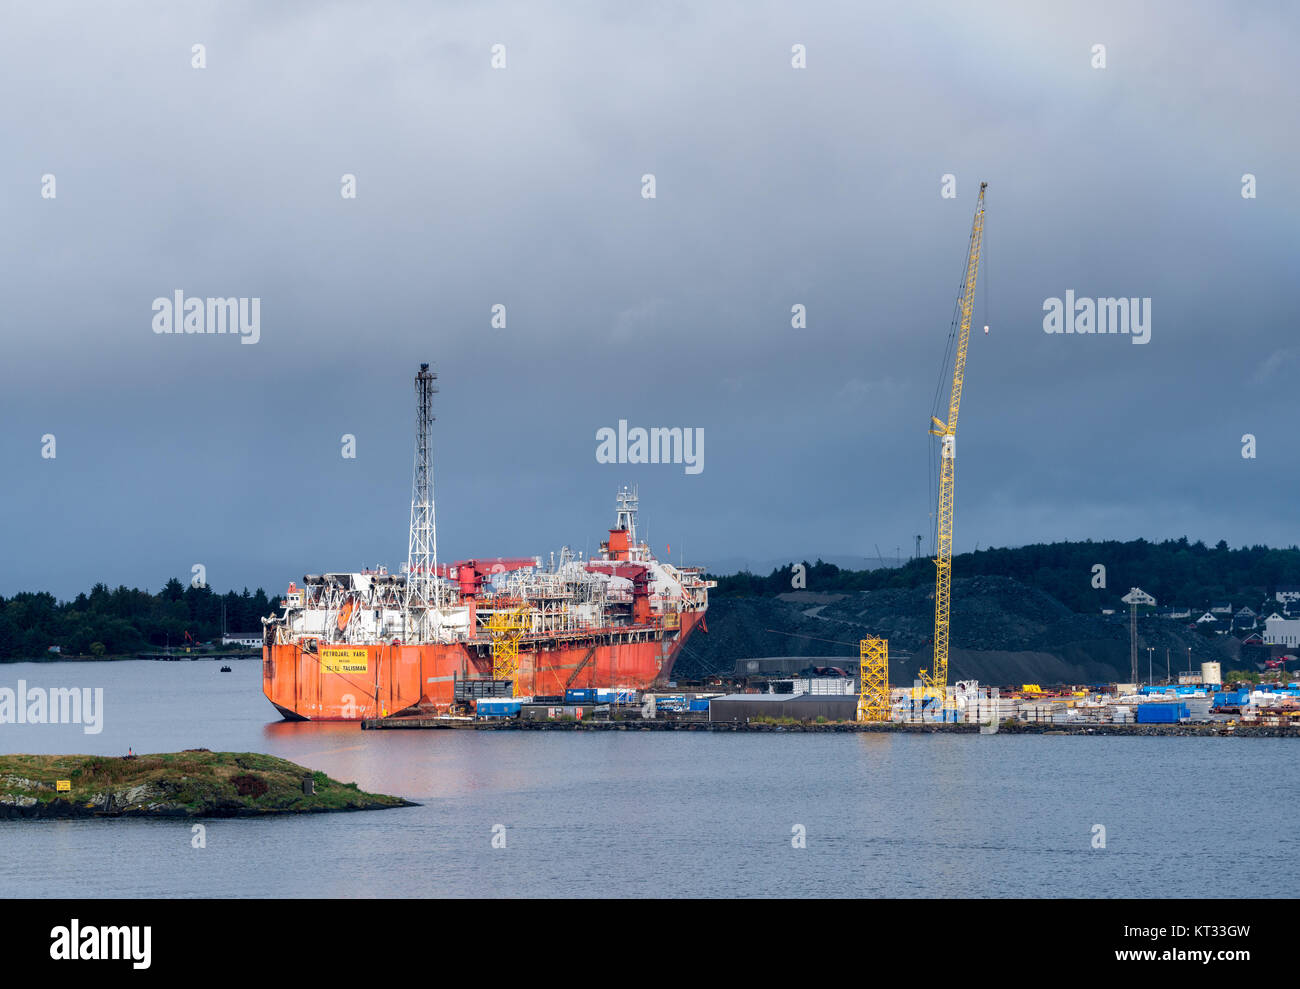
(935, 680)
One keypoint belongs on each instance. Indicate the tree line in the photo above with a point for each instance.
(1175, 571)
(125, 620)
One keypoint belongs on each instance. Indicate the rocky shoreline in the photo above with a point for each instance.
(191, 784)
(1211, 729)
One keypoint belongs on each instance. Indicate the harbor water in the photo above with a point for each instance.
(634, 814)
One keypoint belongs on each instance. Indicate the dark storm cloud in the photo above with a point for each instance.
(521, 186)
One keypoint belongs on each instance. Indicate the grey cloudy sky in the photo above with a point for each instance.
(522, 186)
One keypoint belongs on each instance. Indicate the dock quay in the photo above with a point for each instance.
(1207, 730)
(829, 703)
(662, 724)
(423, 721)
(855, 727)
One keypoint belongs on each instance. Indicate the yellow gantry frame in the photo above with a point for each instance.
(936, 682)
(506, 628)
(873, 680)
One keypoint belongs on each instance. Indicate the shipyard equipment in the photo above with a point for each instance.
(935, 681)
(1133, 598)
(873, 680)
(507, 627)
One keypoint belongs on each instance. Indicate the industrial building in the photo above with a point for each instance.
(800, 707)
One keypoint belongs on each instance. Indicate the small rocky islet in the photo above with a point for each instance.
(192, 783)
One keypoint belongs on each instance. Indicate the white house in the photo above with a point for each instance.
(1205, 618)
(250, 640)
(1287, 593)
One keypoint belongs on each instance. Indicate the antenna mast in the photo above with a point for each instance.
(625, 518)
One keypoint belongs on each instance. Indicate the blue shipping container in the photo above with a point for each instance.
(496, 706)
(616, 695)
(1232, 698)
(698, 705)
(585, 696)
(1160, 714)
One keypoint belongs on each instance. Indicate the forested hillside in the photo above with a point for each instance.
(1175, 572)
(123, 621)
(1190, 575)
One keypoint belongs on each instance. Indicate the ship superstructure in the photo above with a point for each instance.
(352, 645)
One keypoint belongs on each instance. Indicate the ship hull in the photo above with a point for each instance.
(364, 681)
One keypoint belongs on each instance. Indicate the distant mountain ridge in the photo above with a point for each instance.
(845, 561)
(1175, 572)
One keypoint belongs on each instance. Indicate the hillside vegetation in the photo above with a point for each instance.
(1175, 572)
(126, 620)
(1030, 614)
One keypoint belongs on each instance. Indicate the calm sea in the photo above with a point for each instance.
(663, 814)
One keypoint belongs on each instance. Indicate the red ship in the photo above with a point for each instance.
(350, 646)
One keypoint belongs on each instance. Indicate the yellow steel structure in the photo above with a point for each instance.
(873, 680)
(936, 681)
(506, 628)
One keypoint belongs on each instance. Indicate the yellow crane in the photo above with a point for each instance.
(936, 682)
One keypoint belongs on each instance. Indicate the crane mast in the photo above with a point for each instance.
(936, 681)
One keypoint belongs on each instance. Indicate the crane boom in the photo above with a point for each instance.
(936, 681)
